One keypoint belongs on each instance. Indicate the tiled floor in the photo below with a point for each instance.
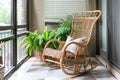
(38, 71)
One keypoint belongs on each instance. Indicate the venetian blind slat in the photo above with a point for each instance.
(61, 8)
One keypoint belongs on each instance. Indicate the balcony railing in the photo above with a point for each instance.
(7, 49)
(20, 49)
(7, 55)
(5, 34)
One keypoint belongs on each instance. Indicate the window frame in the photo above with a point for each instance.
(14, 36)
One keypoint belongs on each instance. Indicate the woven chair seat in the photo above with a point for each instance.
(52, 53)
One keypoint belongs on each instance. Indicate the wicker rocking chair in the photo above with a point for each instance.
(79, 62)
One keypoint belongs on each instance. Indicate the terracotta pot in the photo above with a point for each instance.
(39, 56)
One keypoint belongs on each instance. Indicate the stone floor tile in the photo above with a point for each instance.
(56, 74)
(32, 70)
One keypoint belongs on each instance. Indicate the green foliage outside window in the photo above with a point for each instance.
(5, 12)
(4, 16)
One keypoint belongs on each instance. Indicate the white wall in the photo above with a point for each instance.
(36, 15)
(91, 4)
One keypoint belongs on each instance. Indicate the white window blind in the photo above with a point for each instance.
(61, 8)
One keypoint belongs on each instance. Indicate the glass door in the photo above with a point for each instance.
(103, 29)
(114, 32)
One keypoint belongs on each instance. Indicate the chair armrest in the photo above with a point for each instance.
(53, 40)
(62, 43)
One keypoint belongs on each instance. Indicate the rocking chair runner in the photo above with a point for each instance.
(78, 62)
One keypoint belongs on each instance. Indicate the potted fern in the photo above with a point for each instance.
(36, 41)
(33, 42)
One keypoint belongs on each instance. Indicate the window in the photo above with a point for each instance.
(21, 27)
(61, 8)
(7, 53)
(113, 32)
(5, 12)
(20, 49)
(13, 27)
(21, 12)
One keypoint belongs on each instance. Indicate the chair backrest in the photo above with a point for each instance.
(83, 23)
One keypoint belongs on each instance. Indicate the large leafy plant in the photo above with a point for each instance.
(64, 28)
